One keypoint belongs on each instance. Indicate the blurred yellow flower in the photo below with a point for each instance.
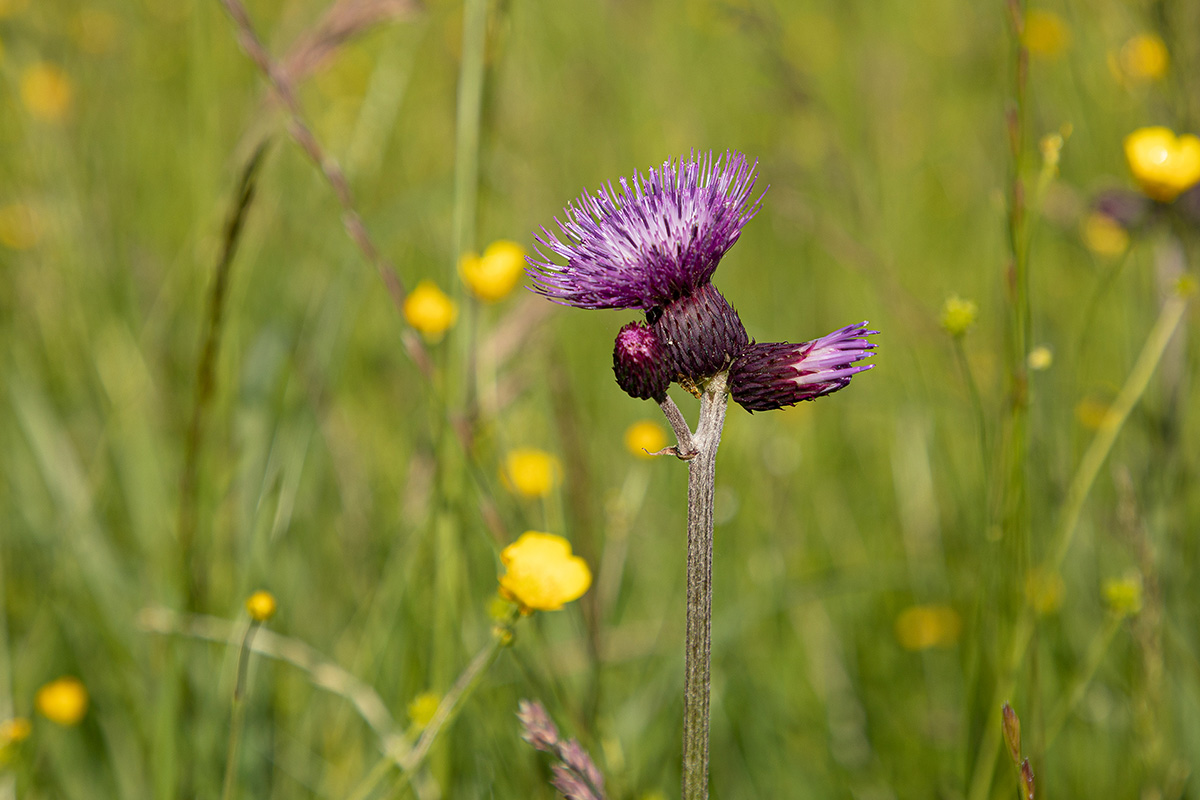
(1051, 146)
(1091, 413)
(1123, 595)
(63, 701)
(493, 275)
(14, 730)
(924, 627)
(1163, 164)
(46, 91)
(1044, 591)
(1040, 358)
(10, 8)
(644, 438)
(12, 733)
(429, 310)
(19, 226)
(1143, 58)
(422, 708)
(1046, 34)
(541, 574)
(1103, 235)
(530, 472)
(958, 315)
(261, 606)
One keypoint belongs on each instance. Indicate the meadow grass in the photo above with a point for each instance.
(952, 531)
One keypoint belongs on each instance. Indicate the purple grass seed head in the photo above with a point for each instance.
(539, 729)
(659, 237)
(773, 375)
(640, 364)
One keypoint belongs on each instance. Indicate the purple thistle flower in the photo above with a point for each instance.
(654, 245)
(657, 239)
(774, 375)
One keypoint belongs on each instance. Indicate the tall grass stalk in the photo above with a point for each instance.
(1131, 392)
(191, 562)
(238, 717)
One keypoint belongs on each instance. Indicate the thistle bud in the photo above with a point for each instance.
(640, 364)
(700, 333)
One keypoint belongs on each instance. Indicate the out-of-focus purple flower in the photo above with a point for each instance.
(774, 375)
(1129, 209)
(655, 240)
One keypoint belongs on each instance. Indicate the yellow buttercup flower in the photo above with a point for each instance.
(530, 472)
(429, 310)
(925, 627)
(63, 701)
(1163, 164)
(1143, 58)
(1103, 235)
(1046, 34)
(493, 275)
(958, 315)
(46, 91)
(261, 606)
(422, 708)
(644, 438)
(1123, 595)
(541, 574)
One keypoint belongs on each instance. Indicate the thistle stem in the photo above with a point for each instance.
(697, 648)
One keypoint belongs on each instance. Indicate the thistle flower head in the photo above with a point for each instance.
(778, 374)
(657, 238)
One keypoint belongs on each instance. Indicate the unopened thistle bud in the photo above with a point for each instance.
(640, 364)
(701, 333)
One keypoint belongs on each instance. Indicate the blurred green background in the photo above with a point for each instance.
(866, 595)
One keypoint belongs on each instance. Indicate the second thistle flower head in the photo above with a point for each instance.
(656, 239)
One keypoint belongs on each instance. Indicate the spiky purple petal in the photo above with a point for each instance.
(773, 375)
(656, 239)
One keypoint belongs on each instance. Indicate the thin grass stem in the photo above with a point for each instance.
(238, 717)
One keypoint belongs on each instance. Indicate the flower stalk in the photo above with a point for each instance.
(698, 643)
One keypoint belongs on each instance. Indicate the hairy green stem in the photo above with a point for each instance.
(698, 645)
